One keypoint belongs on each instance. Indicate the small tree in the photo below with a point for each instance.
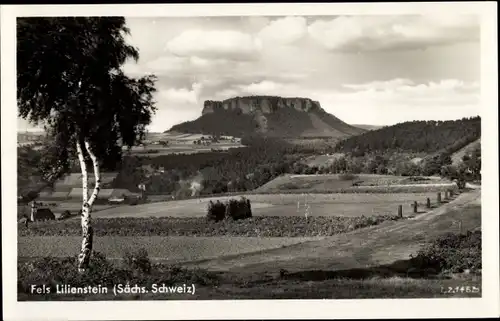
(69, 79)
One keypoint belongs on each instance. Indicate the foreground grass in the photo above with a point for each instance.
(431, 273)
(261, 226)
(373, 288)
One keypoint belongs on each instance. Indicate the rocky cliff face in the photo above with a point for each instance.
(267, 115)
(263, 104)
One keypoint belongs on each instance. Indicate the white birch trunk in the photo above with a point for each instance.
(87, 232)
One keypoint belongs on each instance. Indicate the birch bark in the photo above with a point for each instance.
(87, 231)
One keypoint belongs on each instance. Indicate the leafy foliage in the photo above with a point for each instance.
(238, 209)
(137, 261)
(51, 271)
(452, 253)
(216, 211)
(239, 169)
(69, 79)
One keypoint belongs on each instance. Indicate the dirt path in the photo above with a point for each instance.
(383, 244)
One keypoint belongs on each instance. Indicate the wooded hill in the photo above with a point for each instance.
(416, 136)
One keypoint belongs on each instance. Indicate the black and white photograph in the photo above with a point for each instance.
(244, 154)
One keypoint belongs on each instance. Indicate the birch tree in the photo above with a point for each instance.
(69, 79)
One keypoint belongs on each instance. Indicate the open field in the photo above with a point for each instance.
(372, 262)
(341, 204)
(172, 249)
(377, 245)
(180, 143)
(360, 183)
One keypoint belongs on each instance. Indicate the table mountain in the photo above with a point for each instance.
(267, 115)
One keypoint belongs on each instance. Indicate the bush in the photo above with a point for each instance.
(452, 253)
(137, 261)
(239, 209)
(216, 211)
(235, 209)
(52, 271)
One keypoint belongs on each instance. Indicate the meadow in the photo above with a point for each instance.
(339, 204)
(179, 143)
(359, 183)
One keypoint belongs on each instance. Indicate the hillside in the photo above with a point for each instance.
(416, 136)
(458, 155)
(268, 115)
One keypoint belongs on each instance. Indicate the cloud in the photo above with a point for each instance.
(180, 95)
(215, 44)
(285, 30)
(381, 102)
(422, 91)
(380, 85)
(379, 33)
(261, 88)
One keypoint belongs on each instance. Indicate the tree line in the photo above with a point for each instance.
(415, 136)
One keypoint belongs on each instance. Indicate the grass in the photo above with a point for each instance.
(283, 204)
(395, 280)
(162, 249)
(264, 226)
(335, 183)
(452, 253)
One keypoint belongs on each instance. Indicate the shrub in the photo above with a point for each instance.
(51, 271)
(137, 261)
(216, 211)
(239, 209)
(452, 253)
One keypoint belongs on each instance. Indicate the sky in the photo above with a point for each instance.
(377, 70)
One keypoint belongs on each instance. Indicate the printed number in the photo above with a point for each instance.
(461, 289)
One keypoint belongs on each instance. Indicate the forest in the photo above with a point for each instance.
(238, 169)
(415, 136)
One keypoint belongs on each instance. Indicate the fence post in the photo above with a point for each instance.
(400, 210)
(428, 203)
(415, 207)
(438, 197)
